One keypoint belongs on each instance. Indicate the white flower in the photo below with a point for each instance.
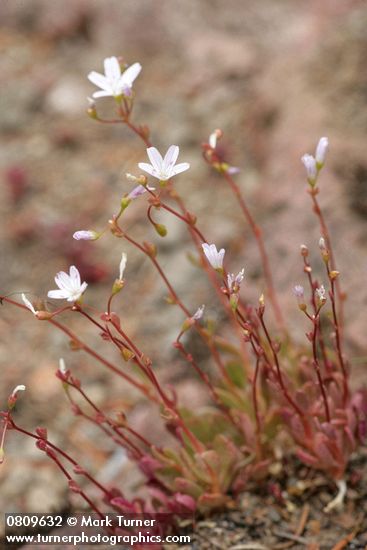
(198, 313)
(322, 243)
(321, 293)
(299, 291)
(122, 266)
(29, 305)
(62, 366)
(114, 82)
(214, 257)
(321, 151)
(311, 168)
(70, 286)
(21, 387)
(235, 280)
(85, 235)
(213, 138)
(163, 169)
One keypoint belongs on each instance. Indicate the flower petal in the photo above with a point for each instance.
(58, 294)
(147, 168)
(155, 158)
(101, 93)
(83, 288)
(74, 277)
(62, 280)
(170, 157)
(99, 80)
(28, 304)
(131, 73)
(180, 168)
(112, 68)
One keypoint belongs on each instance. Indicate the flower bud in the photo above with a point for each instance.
(86, 235)
(44, 315)
(311, 169)
(42, 433)
(321, 294)
(140, 180)
(299, 293)
(151, 249)
(321, 150)
(324, 251)
(304, 250)
(127, 354)
(92, 111)
(125, 201)
(233, 301)
(160, 229)
(14, 395)
(214, 137)
(117, 286)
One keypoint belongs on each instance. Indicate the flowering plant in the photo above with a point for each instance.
(264, 389)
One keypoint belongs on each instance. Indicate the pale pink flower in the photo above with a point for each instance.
(139, 190)
(232, 170)
(163, 168)
(321, 293)
(235, 281)
(299, 291)
(214, 257)
(70, 286)
(321, 150)
(114, 82)
(85, 235)
(311, 169)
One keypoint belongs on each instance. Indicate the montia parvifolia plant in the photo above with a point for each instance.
(266, 391)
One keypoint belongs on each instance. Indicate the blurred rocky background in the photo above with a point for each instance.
(274, 76)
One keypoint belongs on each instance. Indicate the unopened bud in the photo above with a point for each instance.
(299, 293)
(120, 418)
(14, 395)
(187, 324)
(233, 301)
(160, 229)
(125, 201)
(117, 286)
(127, 354)
(304, 250)
(42, 433)
(311, 169)
(321, 150)
(43, 315)
(334, 274)
(324, 251)
(141, 180)
(214, 137)
(151, 249)
(92, 111)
